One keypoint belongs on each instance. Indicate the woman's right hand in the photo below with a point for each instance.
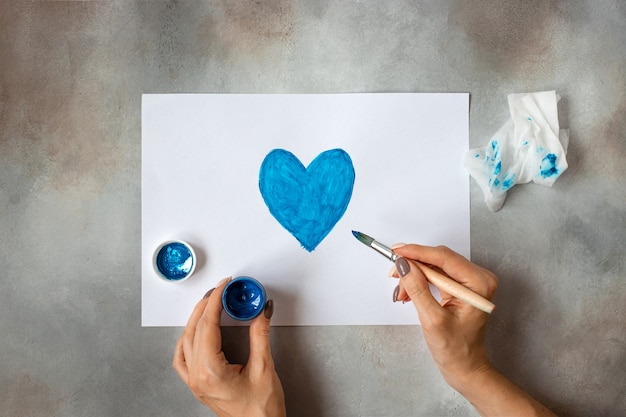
(454, 331)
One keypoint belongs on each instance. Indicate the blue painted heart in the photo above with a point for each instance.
(308, 202)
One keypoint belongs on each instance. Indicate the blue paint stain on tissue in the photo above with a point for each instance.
(548, 166)
(498, 179)
(509, 181)
(498, 168)
(494, 163)
(308, 202)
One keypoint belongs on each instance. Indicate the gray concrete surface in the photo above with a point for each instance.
(71, 78)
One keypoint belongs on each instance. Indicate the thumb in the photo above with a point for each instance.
(416, 286)
(260, 350)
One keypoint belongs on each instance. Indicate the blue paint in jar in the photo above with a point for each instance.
(244, 298)
(175, 261)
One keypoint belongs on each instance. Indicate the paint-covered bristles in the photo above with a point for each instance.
(362, 237)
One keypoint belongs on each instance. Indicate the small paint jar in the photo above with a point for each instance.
(174, 261)
(244, 298)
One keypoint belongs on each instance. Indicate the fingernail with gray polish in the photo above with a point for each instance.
(396, 291)
(402, 266)
(269, 309)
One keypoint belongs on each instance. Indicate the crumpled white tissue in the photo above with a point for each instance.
(528, 147)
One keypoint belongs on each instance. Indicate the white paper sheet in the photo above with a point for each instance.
(201, 155)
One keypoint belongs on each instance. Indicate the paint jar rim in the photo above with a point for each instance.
(234, 283)
(155, 261)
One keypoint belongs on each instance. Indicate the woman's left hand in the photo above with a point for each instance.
(230, 390)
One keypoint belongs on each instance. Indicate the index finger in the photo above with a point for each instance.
(207, 344)
(184, 346)
(189, 332)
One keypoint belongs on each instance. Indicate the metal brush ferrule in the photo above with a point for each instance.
(384, 250)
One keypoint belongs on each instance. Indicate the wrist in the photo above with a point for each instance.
(463, 377)
(466, 383)
(493, 394)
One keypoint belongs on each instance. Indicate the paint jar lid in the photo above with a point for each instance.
(174, 261)
(244, 298)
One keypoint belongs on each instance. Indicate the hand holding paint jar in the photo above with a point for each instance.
(231, 389)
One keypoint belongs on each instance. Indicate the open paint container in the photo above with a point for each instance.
(244, 298)
(174, 261)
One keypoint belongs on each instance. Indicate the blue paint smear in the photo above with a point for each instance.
(494, 163)
(498, 168)
(548, 166)
(496, 151)
(508, 182)
(174, 261)
(308, 202)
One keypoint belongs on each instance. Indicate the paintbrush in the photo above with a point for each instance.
(439, 280)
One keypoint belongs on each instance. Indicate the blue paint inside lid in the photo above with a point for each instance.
(175, 261)
(244, 298)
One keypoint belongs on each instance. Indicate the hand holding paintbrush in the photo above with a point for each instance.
(439, 280)
(453, 330)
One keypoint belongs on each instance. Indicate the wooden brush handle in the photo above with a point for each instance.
(455, 289)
